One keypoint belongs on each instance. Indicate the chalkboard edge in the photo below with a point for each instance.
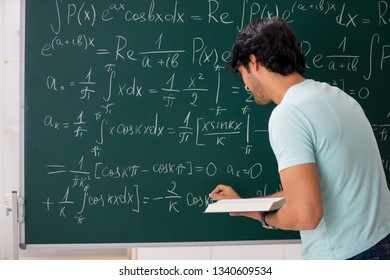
(160, 244)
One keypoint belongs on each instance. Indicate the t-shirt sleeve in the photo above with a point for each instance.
(291, 136)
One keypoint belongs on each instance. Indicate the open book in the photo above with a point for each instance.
(245, 205)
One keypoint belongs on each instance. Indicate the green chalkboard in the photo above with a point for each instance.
(131, 117)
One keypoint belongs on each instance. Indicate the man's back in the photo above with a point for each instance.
(319, 123)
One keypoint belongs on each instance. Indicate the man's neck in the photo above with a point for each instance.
(281, 84)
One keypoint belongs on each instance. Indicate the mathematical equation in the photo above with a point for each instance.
(81, 185)
(173, 12)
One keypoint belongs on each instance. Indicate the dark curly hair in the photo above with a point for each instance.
(273, 43)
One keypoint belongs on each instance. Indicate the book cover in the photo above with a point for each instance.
(245, 205)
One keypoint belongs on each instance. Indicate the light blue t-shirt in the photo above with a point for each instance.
(318, 123)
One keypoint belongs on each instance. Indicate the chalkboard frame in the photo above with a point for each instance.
(152, 244)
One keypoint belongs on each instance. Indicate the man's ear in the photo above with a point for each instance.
(255, 64)
(253, 58)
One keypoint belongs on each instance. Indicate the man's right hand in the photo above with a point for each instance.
(227, 192)
(224, 192)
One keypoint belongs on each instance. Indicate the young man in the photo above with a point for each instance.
(328, 159)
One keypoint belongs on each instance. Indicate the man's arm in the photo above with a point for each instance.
(301, 190)
(303, 207)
